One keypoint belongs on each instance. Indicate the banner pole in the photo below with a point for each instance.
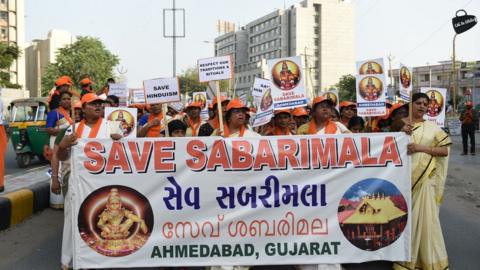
(410, 109)
(165, 122)
(219, 106)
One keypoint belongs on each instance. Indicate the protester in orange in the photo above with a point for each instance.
(62, 84)
(468, 117)
(214, 123)
(235, 121)
(348, 110)
(300, 116)
(77, 109)
(86, 86)
(151, 124)
(321, 122)
(281, 120)
(194, 121)
(92, 126)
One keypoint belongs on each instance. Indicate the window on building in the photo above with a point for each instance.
(426, 77)
(439, 78)
(316, 30)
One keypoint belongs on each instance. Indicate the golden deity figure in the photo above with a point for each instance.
(287, 78)
(115, 221)
(371, 90)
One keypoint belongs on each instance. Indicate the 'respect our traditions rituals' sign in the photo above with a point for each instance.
(241, 201)
(262, 96)
(163, 90)
(215, 69)
(371, 88)
(286, 75)
(436, 105)
(406, 82)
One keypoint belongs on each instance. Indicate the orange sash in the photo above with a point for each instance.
(93, 131)
(330, 128)
(277, 131)
(65, 114)
(194, 127)
(154, 131)
(226, 131)
(215, 123)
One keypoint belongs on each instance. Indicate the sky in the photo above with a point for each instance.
(414, 32)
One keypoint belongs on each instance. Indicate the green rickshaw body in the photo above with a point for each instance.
(27, 128)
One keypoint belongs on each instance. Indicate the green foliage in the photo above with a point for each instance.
(346, 88)
(8, 54)
(86, 57)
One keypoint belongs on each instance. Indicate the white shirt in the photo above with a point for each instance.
(102, 132)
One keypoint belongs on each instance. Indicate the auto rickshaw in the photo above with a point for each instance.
(27, 128)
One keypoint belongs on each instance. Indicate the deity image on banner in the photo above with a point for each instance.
(435, 105)
(372, 214)
(200, 97)
(286, 74)
(332, 97)
(115, 221)
(371, 88)
(370, 67)
(125, 119)
(267, 100)
(405, 77)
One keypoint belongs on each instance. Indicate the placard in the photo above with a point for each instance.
(125, 118)
(371, 88)
(215, 69)
(163, 90)
(121, 91)
(405, 82)
(436, 105)
(288, 89)
(137, 96)
(262, 94)
(202, 98)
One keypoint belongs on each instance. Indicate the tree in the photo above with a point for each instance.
(8, 54)
(346, 87)
(86, 57)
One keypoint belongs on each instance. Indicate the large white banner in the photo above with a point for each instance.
(436, 106)
(371, 87)
(288, 89)
(244, 201)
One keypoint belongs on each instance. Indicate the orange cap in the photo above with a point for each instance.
(222, 99)
(320, 99)
(300, 112)
(90, 97)
(236, 104)
(77, 104)
(282, 111)
(86, 81)
(469, 103)
(347, 103)
(63, 80)
(197, 104)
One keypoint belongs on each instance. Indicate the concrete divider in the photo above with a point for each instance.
(18, 205)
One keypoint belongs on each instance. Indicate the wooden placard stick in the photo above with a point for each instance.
(165, 122)
(219, 106)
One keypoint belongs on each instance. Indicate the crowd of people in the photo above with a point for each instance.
(429, 147)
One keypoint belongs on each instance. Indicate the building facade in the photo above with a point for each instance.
(40, 54)
(320, 31)
(12, 31)
(440, 76)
